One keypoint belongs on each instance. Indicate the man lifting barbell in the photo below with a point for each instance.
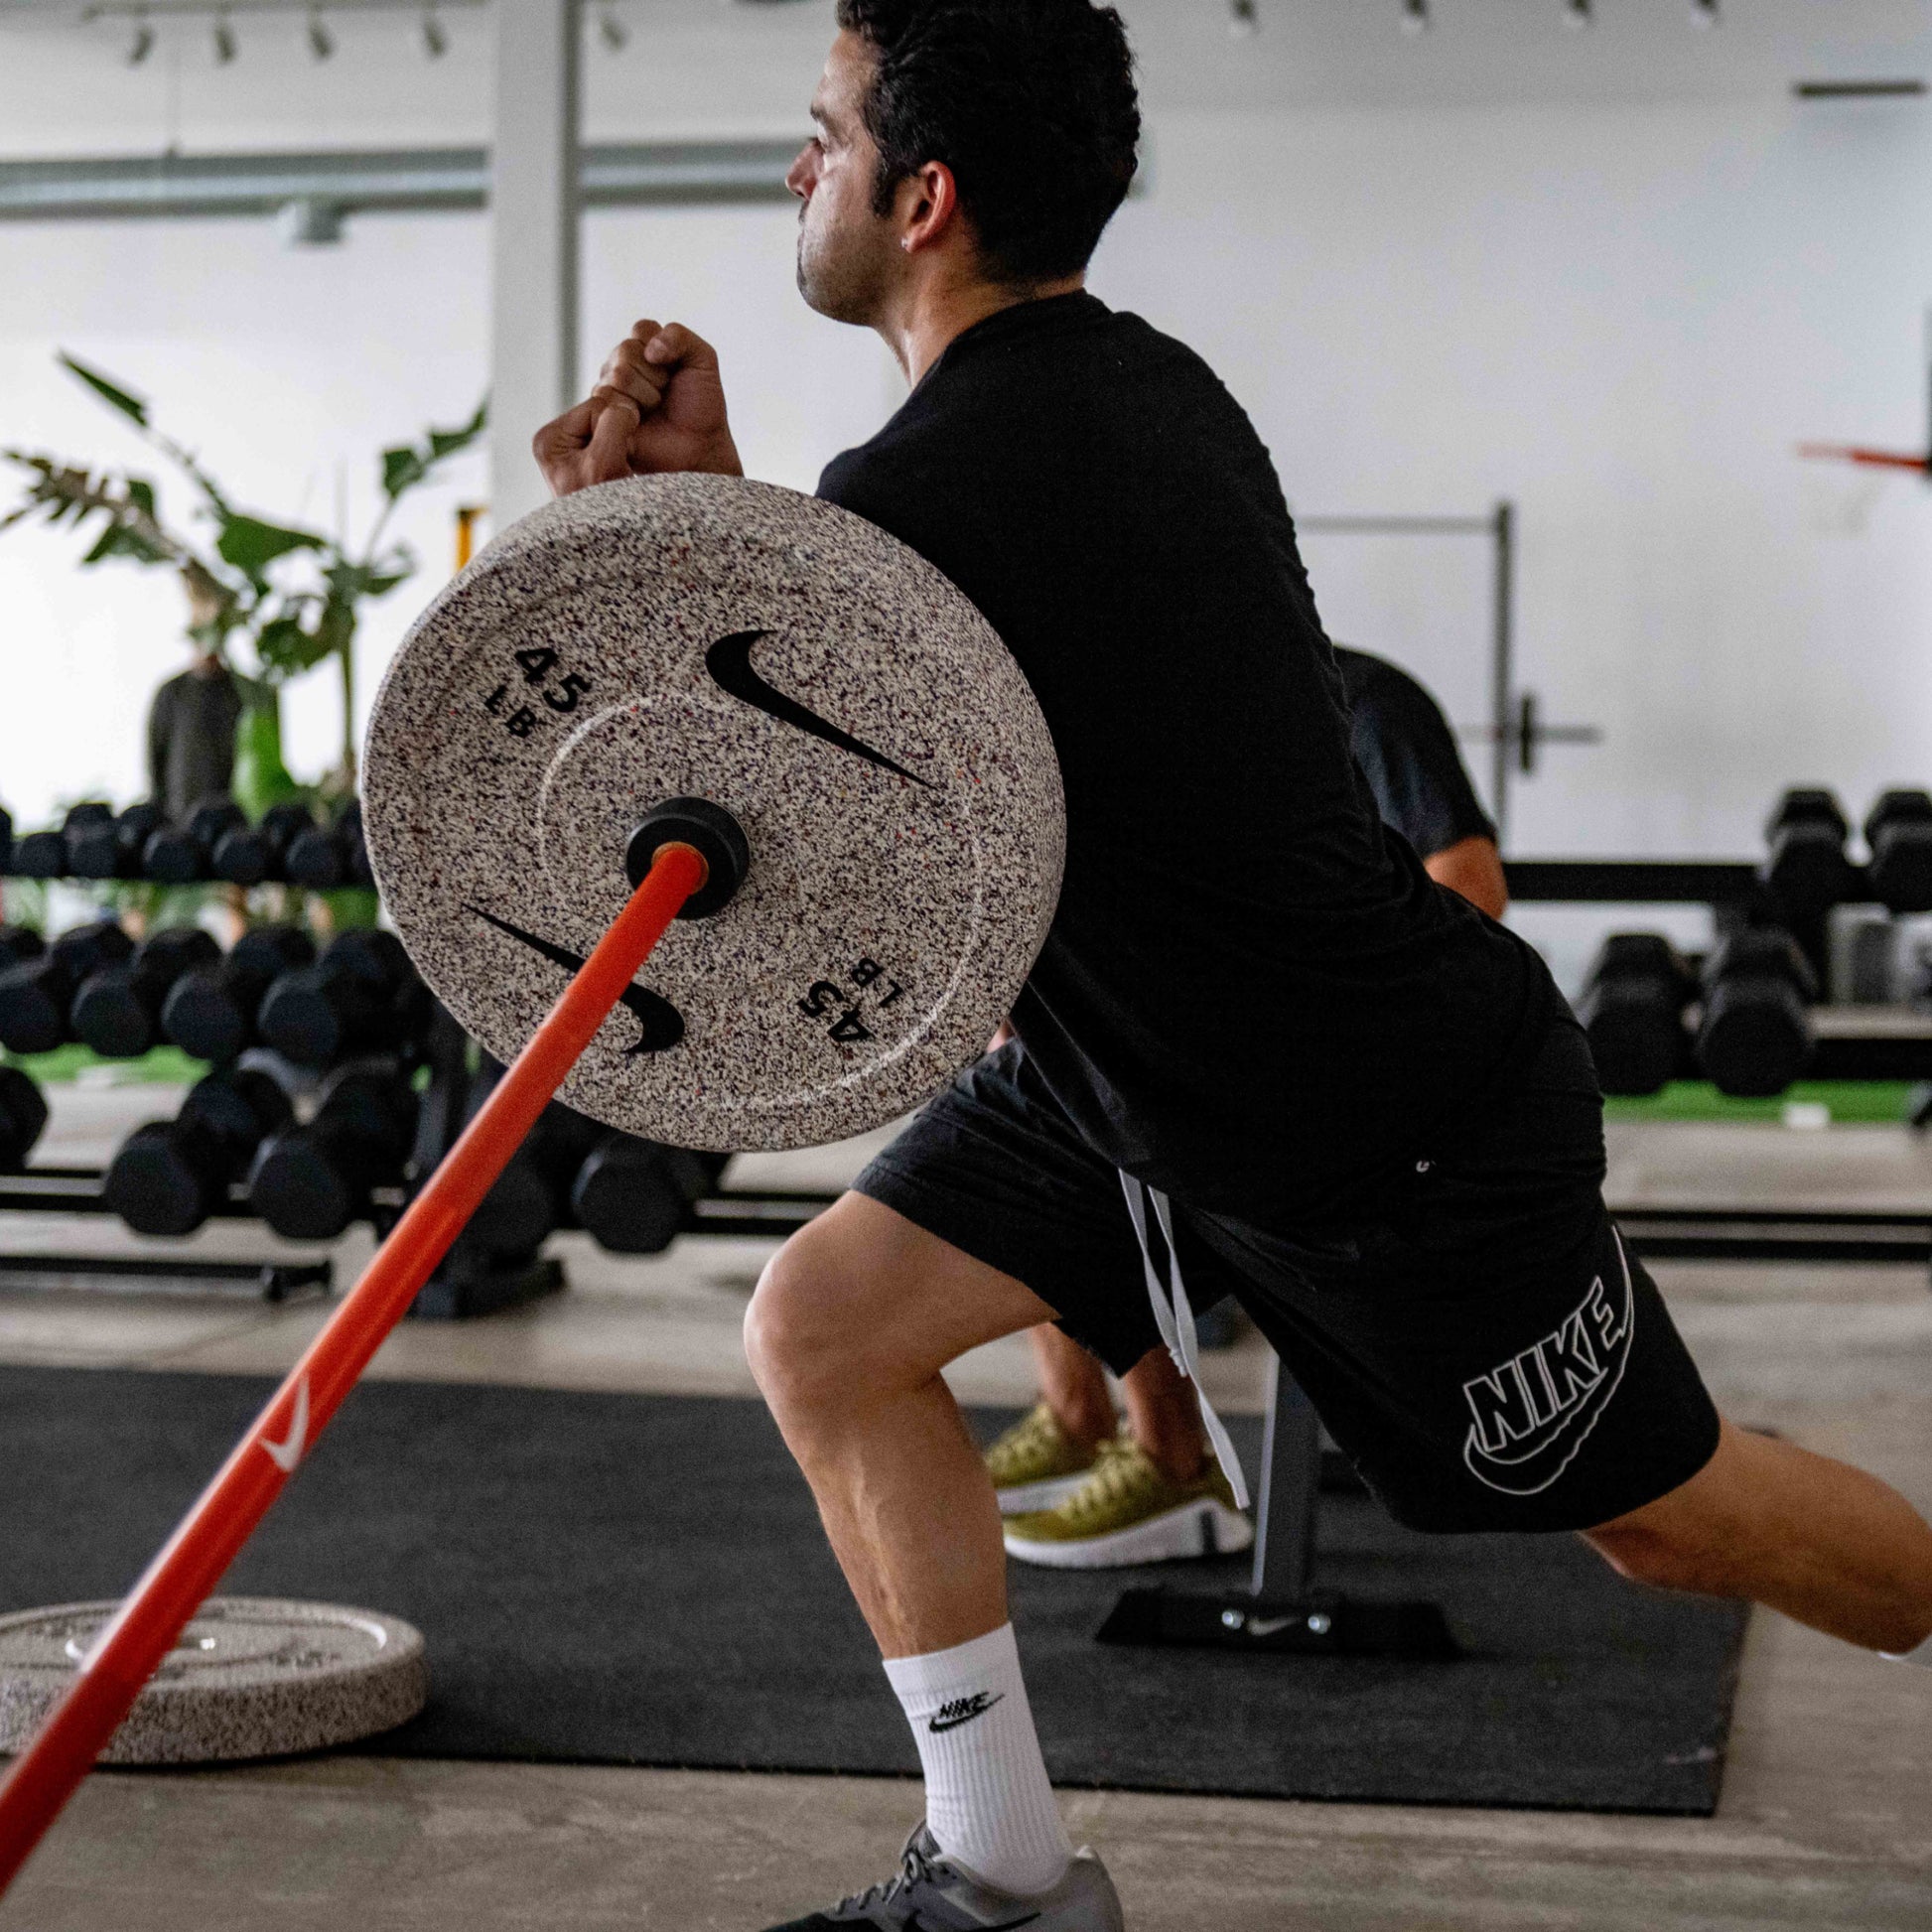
(1318, 1080)
(1081, 1493)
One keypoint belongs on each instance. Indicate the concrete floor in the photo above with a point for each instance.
(1827, 1814)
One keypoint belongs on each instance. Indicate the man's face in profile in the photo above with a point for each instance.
(849, 259)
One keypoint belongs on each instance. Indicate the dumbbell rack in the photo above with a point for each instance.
(460, 1290)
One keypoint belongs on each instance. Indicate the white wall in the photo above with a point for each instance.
(1625, 318)
(1621, 313)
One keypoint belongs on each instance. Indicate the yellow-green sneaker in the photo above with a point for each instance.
(1036, 1463)
(1128, 1512)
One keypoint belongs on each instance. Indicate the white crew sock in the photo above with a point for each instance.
(1922, 1656)
(988, 1802)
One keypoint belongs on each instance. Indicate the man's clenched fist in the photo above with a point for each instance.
(658, 406)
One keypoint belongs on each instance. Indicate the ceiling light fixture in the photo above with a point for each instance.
(224, 39)
(435, 42)
(1577, 13)
(1703, 12)
(1244, 22)
(322, 42)
(1415, 16)
(611, 30)
(142, 44)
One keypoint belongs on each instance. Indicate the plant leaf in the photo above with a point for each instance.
(408, 464)
(141, 495)
(349, 581)
(111, 392)
(285, 648)
(119, 540)
(401, 467)
(251, 545)
(447, 442)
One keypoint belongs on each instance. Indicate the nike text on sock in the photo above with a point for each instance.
(1922, 1656)
(989, 1805)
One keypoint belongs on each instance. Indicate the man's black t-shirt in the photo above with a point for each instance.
(1251, 995)
(1408, 754)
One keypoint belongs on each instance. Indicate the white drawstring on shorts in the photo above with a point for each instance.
(1174, 1315)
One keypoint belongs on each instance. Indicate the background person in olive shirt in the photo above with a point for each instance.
(1156, 1492)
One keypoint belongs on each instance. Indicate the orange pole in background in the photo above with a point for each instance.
(143, 1629)
(466, 532)
(1875, 458)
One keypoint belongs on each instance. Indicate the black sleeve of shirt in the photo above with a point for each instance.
(1408, 753)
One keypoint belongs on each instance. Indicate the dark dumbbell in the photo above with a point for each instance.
(35, 996)
(19, 944)
(361, 994)
(112, 848)
(168, 1176)
(1755, 1034)
(355, 852)
(23, 1114)
(97, 813)
(242, 856)
(178, 855)
(172, 858)
(216, 817)
(529, 1198)
(84, 831)
(215, 820)
(1807, 867)
(6, 841)
(632, 1195)
(117, 1011)
(525, 1202)
(209, 1012)
(1634, 1011)
(40, 855)
(1898, 834)
(318, 856)
(246, 855)
(311, 1182)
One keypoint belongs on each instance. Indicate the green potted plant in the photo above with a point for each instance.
(295, 596)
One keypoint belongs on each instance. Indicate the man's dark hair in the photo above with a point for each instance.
(1029, 102)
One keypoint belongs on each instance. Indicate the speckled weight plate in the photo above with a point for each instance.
(706, 637)
(250, 1677)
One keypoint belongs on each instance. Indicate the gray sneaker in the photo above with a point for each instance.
(930, 1895)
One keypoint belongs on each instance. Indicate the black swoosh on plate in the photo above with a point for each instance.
(661, 1024)
(729, 661)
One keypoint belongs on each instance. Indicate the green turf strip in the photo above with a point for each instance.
(1844, 1100)
(165, 1064)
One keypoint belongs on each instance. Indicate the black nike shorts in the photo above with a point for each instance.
(1474, 1334)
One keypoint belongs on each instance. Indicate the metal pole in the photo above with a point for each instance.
(1502, 674)
(534, 197)
(1290, 1486)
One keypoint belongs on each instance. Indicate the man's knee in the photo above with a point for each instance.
(862, 1306)
(1705, 1536)
(829, 1320)
(794, 1333)
(1670, 1554)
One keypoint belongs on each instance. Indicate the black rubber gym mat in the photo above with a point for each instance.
(615, 1579)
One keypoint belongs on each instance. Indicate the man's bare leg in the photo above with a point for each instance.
(847, 1333)
(1765, 1520)
(1162, 1414)
(1073, 1385)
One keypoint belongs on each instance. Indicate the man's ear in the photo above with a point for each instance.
(930, 210)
